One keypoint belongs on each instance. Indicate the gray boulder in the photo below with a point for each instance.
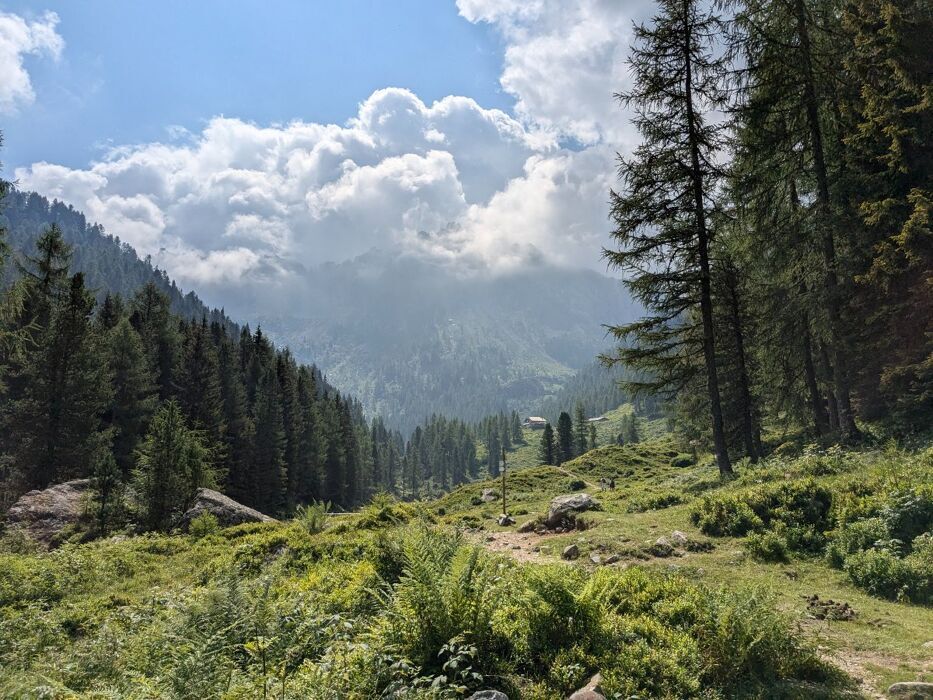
(528, 526)
(490, 495)
(911, 691)
(227, 511)
(662, 548)
(488, 695)
(565, 508)
(679, 539)
(570, 552)
(591, 691)
(505, 520)
(44, 513)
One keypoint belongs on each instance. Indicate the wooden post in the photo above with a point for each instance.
(504, 511)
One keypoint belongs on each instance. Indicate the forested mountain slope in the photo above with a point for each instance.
(108, 264)
(411, 338)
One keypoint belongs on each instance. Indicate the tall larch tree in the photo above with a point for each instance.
(662, 213)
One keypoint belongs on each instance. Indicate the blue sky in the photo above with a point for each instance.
(240, 144)
(132, 69)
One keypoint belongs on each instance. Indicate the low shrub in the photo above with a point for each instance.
(683, 460)
(312, 517)
(721, 516)
(908, 513)
(654, 502)
(576, 485)
(203, 525)
(879, 572)
(767, 546)
(803, 504)
(855, 537)
(384, 511)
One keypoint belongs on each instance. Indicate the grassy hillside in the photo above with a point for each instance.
(432, 599)
(526, 454)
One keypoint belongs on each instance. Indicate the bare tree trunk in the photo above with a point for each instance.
(820, 420)
(706, 303)
(748, 428)
(841, 378)
(831, 396)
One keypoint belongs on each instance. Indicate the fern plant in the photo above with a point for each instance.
(448, 593)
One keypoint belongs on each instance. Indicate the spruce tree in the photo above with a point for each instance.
(565, 450)
(580, 432)
(268, 450)
(547, 453)
(133, 392)
(152, 319)
(173, 462)
(662, 215)
(63, 389)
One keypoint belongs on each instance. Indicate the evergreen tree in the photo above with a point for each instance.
(547, 453)
(172, 464)
(493, 453)
(268, 450)
(580, 432)
(239, 436)
(107, 489)
(152, 319)
(133, 390)
(517, 435)
(662, 216)
(111, 311)
(62, 389)
(199, 384)
(565, 450)
(593, 442)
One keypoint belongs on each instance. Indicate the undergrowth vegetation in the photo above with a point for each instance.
(412, 611)
(870, 515)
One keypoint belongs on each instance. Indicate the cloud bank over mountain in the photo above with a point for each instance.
(451, 181)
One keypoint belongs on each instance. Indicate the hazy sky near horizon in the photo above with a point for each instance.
(246, 142)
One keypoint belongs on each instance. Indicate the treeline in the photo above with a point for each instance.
(498, 432)
(85, 380)
(109, 264)
(127, 392)
(775, 219)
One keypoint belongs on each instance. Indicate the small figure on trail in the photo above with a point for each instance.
(612, 484)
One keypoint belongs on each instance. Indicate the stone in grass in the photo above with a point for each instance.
(679, 539)
(570, 552)
(595, 558)
(43, 514)
(591, 691)
(661, 548)
(490, 495)
(505, 520)
(488, 695)
(227, 511)
(911, 691)
(528, 526)
(564, 508)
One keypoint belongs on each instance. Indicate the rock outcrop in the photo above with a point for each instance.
(564, 509)
(43, 514)
(911, 691)
(225, 509)
(591, 691)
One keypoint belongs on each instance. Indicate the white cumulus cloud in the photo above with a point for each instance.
(244, 204)
(18, 38)
(564, 61)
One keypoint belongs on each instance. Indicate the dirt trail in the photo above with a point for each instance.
(520, 546)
